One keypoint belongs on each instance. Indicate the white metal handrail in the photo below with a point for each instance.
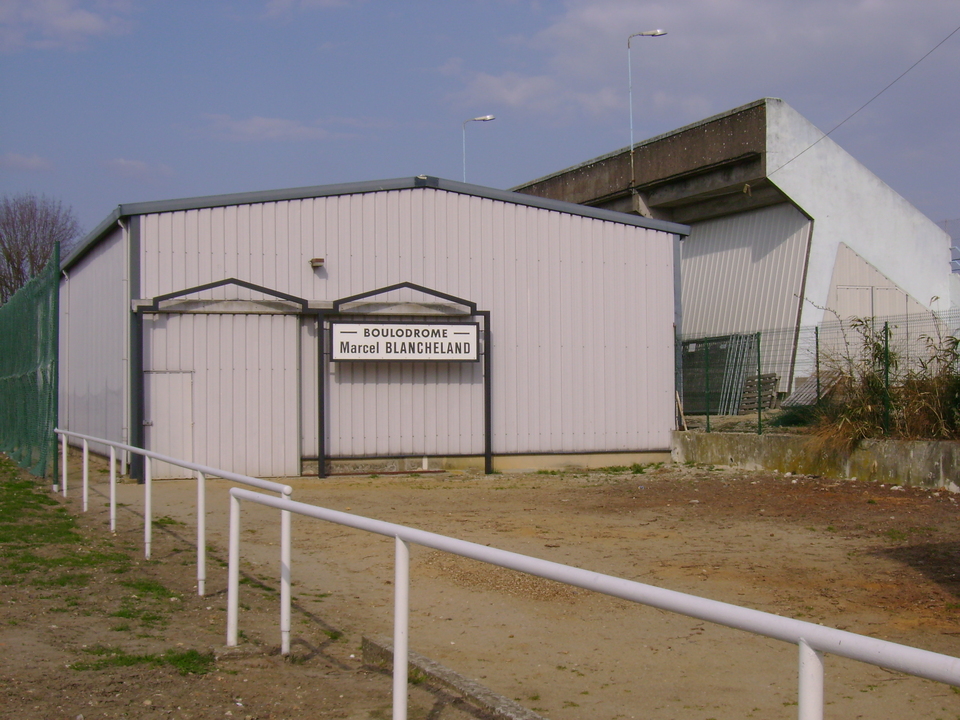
(202, 471)
(813, 640)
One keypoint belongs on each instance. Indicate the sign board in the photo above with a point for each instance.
(420, 342)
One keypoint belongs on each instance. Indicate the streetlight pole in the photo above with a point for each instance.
(482, 118)
(648, 33)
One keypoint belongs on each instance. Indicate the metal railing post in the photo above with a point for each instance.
(147, 505)
(201, 533)
(401, 628)
(86, 473)
(63, 464)
(233, 573)
(113, 489)
(285, 579)
(810, 691)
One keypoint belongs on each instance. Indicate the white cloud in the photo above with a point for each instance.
(137, 169)
(60, 24)
(224, 127)
(717, 54)
(34, 162)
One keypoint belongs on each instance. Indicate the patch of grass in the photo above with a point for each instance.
(549, 472)
(898, 535)
(26, 516)
(166, 520)
(256, 584)
(186, 662)
(190, 662)
(63, 580)
(333, 634)
(147, 587)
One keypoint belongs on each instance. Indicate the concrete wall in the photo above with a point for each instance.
(852, 205)
(932, 464)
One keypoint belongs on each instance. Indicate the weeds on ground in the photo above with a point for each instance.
(879, 391)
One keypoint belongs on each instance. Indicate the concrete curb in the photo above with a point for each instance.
(379, 653)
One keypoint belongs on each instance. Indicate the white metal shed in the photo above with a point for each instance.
(202, 328)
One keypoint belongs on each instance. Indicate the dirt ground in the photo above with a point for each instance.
(880, 561)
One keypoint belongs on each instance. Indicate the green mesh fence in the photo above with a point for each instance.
(28, 370)
(796, 367)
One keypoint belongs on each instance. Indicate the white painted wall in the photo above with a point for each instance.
(94, 325)
(582, 313)
(850, 204)
(241, 396)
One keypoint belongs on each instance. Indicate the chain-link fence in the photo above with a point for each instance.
(28, 371)
(749, 373)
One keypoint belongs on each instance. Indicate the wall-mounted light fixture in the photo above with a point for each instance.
(316, 262)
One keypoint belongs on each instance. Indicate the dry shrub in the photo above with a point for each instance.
(876, 397)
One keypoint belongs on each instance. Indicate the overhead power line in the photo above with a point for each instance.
(851, 115)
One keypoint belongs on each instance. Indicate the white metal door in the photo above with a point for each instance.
(168, 419)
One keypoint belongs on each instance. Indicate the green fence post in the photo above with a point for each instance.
(816, 342)
(706, 379)
(886, 378)
(759, 389)
(54, 454)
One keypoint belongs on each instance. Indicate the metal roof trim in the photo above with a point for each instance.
(317, 191)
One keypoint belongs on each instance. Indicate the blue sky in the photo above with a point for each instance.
(113, 101)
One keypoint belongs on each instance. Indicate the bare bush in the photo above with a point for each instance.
(30, 226)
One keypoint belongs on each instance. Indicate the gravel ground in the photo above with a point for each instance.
(876, 560)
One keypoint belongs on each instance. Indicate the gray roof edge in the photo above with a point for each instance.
(91, 239)
(650, 141)
(316, 191)
(562, 206)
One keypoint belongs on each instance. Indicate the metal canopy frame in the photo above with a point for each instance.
(153, 307)
(337, 311)
(137, 370)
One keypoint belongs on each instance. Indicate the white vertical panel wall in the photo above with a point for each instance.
(94, 322)
(244, 389)
(582, 315)
(744, 273)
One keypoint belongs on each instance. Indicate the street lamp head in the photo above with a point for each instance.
(648, 33)
(484, 118)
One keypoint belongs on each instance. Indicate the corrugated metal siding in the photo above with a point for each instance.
(245, 399)
(582, 314)
(744, 273)
(94, 316)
